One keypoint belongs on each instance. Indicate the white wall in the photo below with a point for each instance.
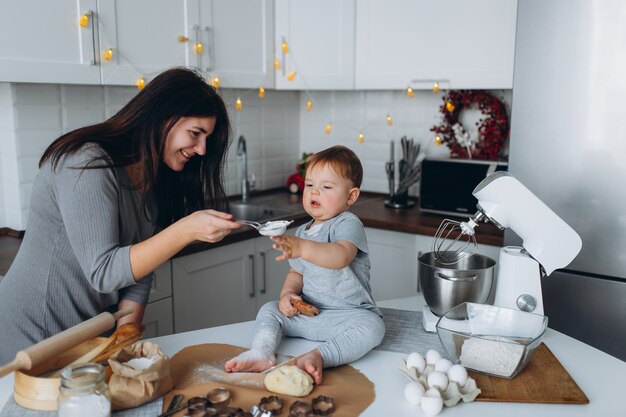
(277, 129)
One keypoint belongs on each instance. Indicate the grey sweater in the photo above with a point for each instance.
(74, 261)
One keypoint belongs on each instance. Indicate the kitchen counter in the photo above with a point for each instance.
(598, 374)
(370, 207)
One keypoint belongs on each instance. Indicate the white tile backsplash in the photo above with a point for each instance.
(278, 130)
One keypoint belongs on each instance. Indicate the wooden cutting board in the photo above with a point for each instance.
(543, 380)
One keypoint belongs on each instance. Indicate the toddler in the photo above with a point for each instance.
(329, 269)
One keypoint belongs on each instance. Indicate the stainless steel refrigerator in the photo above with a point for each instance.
(568, 145)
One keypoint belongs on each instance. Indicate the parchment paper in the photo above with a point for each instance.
(198, 369)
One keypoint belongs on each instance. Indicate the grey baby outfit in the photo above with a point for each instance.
(349, 324)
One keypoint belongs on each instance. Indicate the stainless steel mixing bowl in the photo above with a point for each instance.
(445, 286)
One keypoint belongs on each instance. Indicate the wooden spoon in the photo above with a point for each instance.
(122, 333)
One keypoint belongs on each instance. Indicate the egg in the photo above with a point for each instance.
(437, 380)
(432, 356)
(457, 373)
(415, 360)
(413, 392)
(432, 403)
(443, 365)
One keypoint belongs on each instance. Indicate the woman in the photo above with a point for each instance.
(101, 193)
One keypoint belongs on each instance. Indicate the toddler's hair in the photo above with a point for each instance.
(343, 160)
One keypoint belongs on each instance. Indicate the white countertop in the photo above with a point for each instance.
(598, 374)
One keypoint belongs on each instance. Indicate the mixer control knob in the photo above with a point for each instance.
(526, 302)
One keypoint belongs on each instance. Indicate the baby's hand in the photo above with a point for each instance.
(289, 245)
(285, 307)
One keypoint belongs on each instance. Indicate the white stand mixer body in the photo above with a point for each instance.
(518, 282)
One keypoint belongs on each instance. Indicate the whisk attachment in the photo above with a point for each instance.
(455, 241)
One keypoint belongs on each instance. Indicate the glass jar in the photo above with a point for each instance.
(83, 392)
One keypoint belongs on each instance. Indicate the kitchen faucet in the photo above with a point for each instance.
(245, 184)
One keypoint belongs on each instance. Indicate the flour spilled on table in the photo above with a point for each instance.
(214, 371)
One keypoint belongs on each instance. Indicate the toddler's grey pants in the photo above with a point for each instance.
(347, 334)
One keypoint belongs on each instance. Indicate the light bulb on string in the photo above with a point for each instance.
(309, 105)
(329, 128)
(284, 47)
(141, 83)
(449, 106)
(199, 48)
(438, 140)
(291, 76)
(389, 120)
(84, 20)
(238, 104)
(261, 93)
(410, 92)
(436, 87)
(276, 64)
(216, 83)
(108, 54)
(361, 137)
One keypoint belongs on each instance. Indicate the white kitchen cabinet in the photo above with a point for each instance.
(42, 41)
(158, 316)
(458, 43)
(144, 37)
(320, 38)
(225, 285)
(238, 39)
(393, 257)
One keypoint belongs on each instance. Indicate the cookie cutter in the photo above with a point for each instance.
(218, 397)
(300, 409)
(323, 405)
(273, 404)
(257, 412)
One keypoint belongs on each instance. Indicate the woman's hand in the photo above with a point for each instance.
(289, 245)
(285, 307)
(210, 225)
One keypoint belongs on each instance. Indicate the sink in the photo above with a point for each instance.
(255, 212)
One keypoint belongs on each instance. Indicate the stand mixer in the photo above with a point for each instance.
(548, 242)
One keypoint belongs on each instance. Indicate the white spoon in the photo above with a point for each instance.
(272, 228)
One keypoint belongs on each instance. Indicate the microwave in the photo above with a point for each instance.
(446, 185)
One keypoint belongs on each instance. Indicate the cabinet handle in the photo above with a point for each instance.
(90, 17)
(283, 41)
(197, 44)
(210, 48)
(263, 290)
(251, 257)
(419, 253)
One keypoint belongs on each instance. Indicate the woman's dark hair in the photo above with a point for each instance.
(138, 131)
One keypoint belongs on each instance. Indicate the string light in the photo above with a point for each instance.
(389, 120)
(361, 137)
(291, 75)
(84, 20)
(199, 48)
(261, 93)
(276, 64)
(108, 54)
(284, 47)
(329, 128)
(449, 106)
(436, 87)
(141, 83)
(216, 83)
(309, 105)
(238, 104)
(410, 92)
(438, 140)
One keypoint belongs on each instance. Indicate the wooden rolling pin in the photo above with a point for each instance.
(53, 346)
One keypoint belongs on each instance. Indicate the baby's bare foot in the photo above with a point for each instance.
(312, 364)
(250, 361)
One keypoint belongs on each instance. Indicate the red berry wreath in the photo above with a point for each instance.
(493, 129)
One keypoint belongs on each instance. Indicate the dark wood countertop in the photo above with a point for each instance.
(371, 210)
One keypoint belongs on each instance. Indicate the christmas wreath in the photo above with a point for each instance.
(493, 128)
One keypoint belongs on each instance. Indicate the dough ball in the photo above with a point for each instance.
(289, 380)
